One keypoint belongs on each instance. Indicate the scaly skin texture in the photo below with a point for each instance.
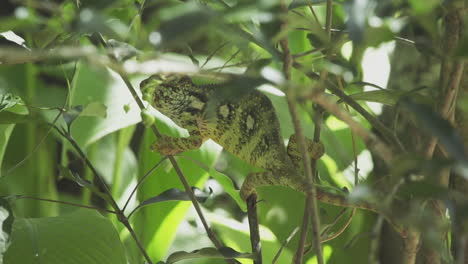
(246, 126)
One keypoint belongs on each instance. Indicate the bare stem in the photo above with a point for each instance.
(67, 203)
(311, 192)
(120, 215)
(254, 230)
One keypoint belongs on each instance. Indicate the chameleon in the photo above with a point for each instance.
(245, 125)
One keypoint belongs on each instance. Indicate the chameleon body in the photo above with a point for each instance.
(246, 126)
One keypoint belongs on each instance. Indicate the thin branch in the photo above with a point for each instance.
(329, 17)
(141, 181)
(308, 52)
(213, 53)
(386, 133)
(254, 228)
(278, 254)
(311, 192)
(304, 230)
(66, 203)
(342, 229)
(120, 214)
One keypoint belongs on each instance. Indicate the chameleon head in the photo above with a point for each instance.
(169, 94)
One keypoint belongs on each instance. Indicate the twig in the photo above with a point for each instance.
(213, 53)
(304, 230)
(329, 226)
(66, 203)
(308, 52)
(278, 254)
(141, 181)
(311, 192)
(120, 215)
(254, 229)
(386, 133)
(329, 17)
(342, 229)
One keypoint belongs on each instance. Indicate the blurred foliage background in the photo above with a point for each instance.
(63, 99)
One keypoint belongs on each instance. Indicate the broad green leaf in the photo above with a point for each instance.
(225, 181)
(387, 97)
(210, 253)
(158, 223)
(423, 7)
(96, 109)
(228, 187)
(98, 88)
(301, 3)
(12, 111)
(173, 194)
(83, 236)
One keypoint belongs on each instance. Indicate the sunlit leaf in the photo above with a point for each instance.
(226, 183)
(174, 194)
(96, 109)
(420, 8)
(211, 253)
(83, 236)
(121, 50)
(301, 3)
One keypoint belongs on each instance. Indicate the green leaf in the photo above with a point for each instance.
(434, 124)
(387, 97)
(83, 236)
(301, 3)
(12, 111)
(184, 26)
(122, 50)
(225, 182)
(71, 175)
(423, 7)
(211, 253)
(96, 109)
(103, 91)
(158, 223)
(174, 194)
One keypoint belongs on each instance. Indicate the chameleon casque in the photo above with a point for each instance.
(246, 126)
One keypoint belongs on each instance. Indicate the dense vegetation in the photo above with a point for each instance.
(381, 83)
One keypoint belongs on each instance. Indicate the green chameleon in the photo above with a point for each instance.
(245, 125)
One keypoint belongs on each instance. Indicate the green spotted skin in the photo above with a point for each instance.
(246, 126)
